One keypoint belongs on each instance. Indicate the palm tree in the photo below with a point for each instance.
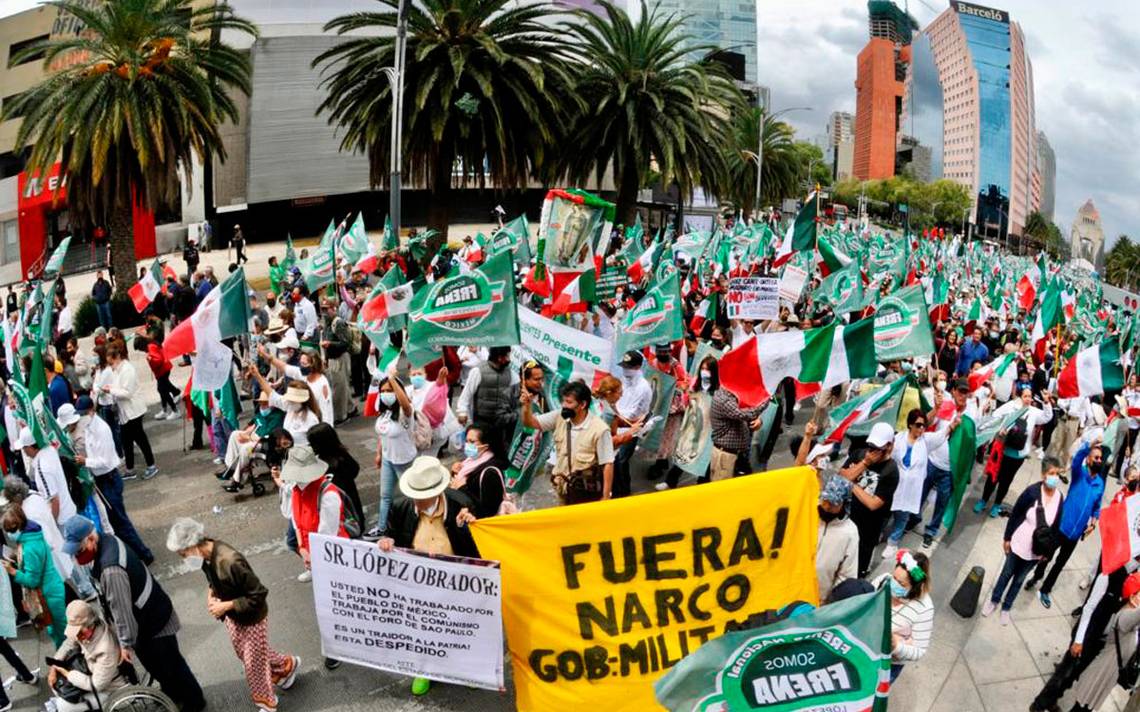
(1122, 263)
(780, 160)
(485, 86)
(647, 105)
(133, 104)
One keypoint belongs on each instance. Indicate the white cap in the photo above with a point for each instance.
(25, 439)
(66, 415)
(882, 434)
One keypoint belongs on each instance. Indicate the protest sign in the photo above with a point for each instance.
(562, 349)
(902, 326)
(476, 308)
(704, 350)
(834, 658)
(573, 223)
(693, 451)
(792, 283)
(655, 319)
(530, 448)
(755, 298)
(607, 284)
(663, 386)
(601, 599)
(437, 617)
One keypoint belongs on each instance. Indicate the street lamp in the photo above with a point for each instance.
(396, 81)
(764, 119)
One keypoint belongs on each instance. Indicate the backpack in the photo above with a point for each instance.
(422, 433)
(1016, 437)
(508, 504)
(353, 521)
(1044, 538)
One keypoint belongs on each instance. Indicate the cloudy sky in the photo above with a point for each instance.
(1085, 57)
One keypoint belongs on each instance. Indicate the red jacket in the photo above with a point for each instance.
(156, 359)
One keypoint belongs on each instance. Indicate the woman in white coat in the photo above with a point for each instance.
(1017, 440)
(911, 454)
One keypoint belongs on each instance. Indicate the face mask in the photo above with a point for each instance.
(568, 413)
(271, 303)
(718, 343)
(418, 381)
(941, 385)
(296, 298)
(306, 370)
(664, 358)
(471, 450)
(1133, 484)
(85, 557)
(195, 562)
(1052, 482)
(294, 407)
(388, 398)
(266, 411)
(898, 590)
(630, 373)
(13, 536)
(993, 334)
(826, 515)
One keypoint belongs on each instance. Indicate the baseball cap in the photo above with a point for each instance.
(25, 438)
(632, 359)
(1131, 585)
(882, 434)
(80, 615)
(83, 404)
(75, 530)
(960, 384)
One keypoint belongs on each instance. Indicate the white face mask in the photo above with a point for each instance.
(630, 373)
(194, 562)
(293, 407)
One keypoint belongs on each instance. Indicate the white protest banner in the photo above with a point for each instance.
(566, 351)
(753, 298)
(792, 283)
(409, 613)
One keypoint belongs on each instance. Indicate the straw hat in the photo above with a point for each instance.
(276, 326)
(303, 466)
(424, 479)
(297, 392)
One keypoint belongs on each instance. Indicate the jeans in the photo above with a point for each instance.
(621, 485)
(1009, 581)
(111, 487)
(163, 660)
(104, 312)
(942, 482)
(389, 480)
(897, 527)
(133, 433)
(14, 660)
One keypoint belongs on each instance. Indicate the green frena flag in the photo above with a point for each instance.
(290, 254)
(319, 268)
(514, 236)
(55, 263)
(842, 289)
(477, 308)
(963, 445)
(418, 244)
(391, 240)
(837, 657)
(25, 411)
(902, 325)
(656, 319)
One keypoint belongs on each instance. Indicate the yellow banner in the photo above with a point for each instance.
(599, 600)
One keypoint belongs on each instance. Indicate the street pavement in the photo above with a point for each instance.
(972, 665)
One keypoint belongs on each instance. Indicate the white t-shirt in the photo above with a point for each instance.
(63, 320)
(396, 442)
(49, 480)
(320, 389)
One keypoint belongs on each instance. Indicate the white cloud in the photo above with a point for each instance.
(11, 7)
(1084, 59)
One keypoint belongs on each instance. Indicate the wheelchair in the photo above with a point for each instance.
(257, 470)
(138, 698)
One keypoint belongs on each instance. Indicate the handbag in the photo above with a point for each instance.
(1128, 673)
(722, 465)
(35, 605)
(1043, 541)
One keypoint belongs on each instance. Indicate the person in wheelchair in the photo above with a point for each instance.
(246, 445)
(93, 656)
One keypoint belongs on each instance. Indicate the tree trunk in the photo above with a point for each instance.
(627, 196)
(122, 238)
(439, 210)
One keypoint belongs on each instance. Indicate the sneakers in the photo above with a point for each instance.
(219, 461)
(1046, 599)
(890, 550)
(150, 472)
(988, 608)
(1031, 584)
(1005, 618)
(305, 577)
(33, 680)
(163, 415)
(995, 511)
(662, 486)
(289, 679)
(331, 664)
(979, 506)
(233, 487)
(129, 475)
(927, 541)
(420, 686)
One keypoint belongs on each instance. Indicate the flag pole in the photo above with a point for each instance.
(1057, 353)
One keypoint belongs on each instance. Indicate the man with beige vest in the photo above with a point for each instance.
(584, 462)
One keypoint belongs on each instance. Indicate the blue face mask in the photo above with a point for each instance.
(471, 450)
(13, 536)
(898, 590)
(388, 398)
(266, 411)
(1052, 481)
(418, 381)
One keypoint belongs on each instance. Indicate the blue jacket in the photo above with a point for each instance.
(971, 353)
(59, 392)
(1083, 502)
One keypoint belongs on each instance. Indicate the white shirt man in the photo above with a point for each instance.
(93, 440)
(47, 476)
(305, 319)
(636, 393)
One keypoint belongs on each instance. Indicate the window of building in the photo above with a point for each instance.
(11, 246)
(16, 48)
(6, 101)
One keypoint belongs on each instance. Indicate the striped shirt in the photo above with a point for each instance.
(913, 622)
(116, 588)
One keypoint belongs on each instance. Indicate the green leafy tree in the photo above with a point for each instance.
(646, 104)
(485, 92)
(141, 95)
(1122, 263)
(780, 161)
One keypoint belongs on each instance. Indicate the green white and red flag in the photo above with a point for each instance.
(802, 233)
(146, 289)
(222, 314)
(705, 312)
(830, 258)
(577, 295)
(866, 407)
(1092, 371)
(1049, 315)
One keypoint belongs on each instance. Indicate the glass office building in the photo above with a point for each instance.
(988, 42)
(728, 24)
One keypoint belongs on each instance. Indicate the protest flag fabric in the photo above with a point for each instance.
(1027, 288)
(836, 657)
(55, 263)
(963, 445)
(866, 407)
(1093, 371)
(997, 367)
(290, 254)
(539, 282)
(705, 312)
(386, 307)
(902, 325)
(1119, 541)
(830, 258)
(829, 355)
(655, 319)
(577, 295)
(354, 245)
(146, 289)
(319, 268)
(802, 233)
(643, 265)
(222, 314)
(477, 308)
(977, 311)
(390, 241)
(1050, 314)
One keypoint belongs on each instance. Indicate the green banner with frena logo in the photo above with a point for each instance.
(474, 309)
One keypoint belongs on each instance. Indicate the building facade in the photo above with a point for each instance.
(880, 78)
(1087, 237)
(840, 127)
(1047, 169)
(989, 139)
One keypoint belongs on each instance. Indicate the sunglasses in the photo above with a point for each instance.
(919, 424)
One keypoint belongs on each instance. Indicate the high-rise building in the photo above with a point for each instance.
(840, 127)
(1047, 169)
(728, 24)
(1087, 237)
(989, 140)
(879, 84)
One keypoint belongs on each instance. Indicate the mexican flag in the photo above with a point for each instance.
(1029, 283)
(353, 245)
(802, 233)
(1093, 370)
(577, 295)
(146, 289)
(1049, 316)
(836, 657)
(1119, 542)
(829, 257)
(963, 445)
(55, 262)
(655, 319)
(222, 314)
(874, 405)
(706, 311)
(643, 265)
(999, 368)
(829, 355)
